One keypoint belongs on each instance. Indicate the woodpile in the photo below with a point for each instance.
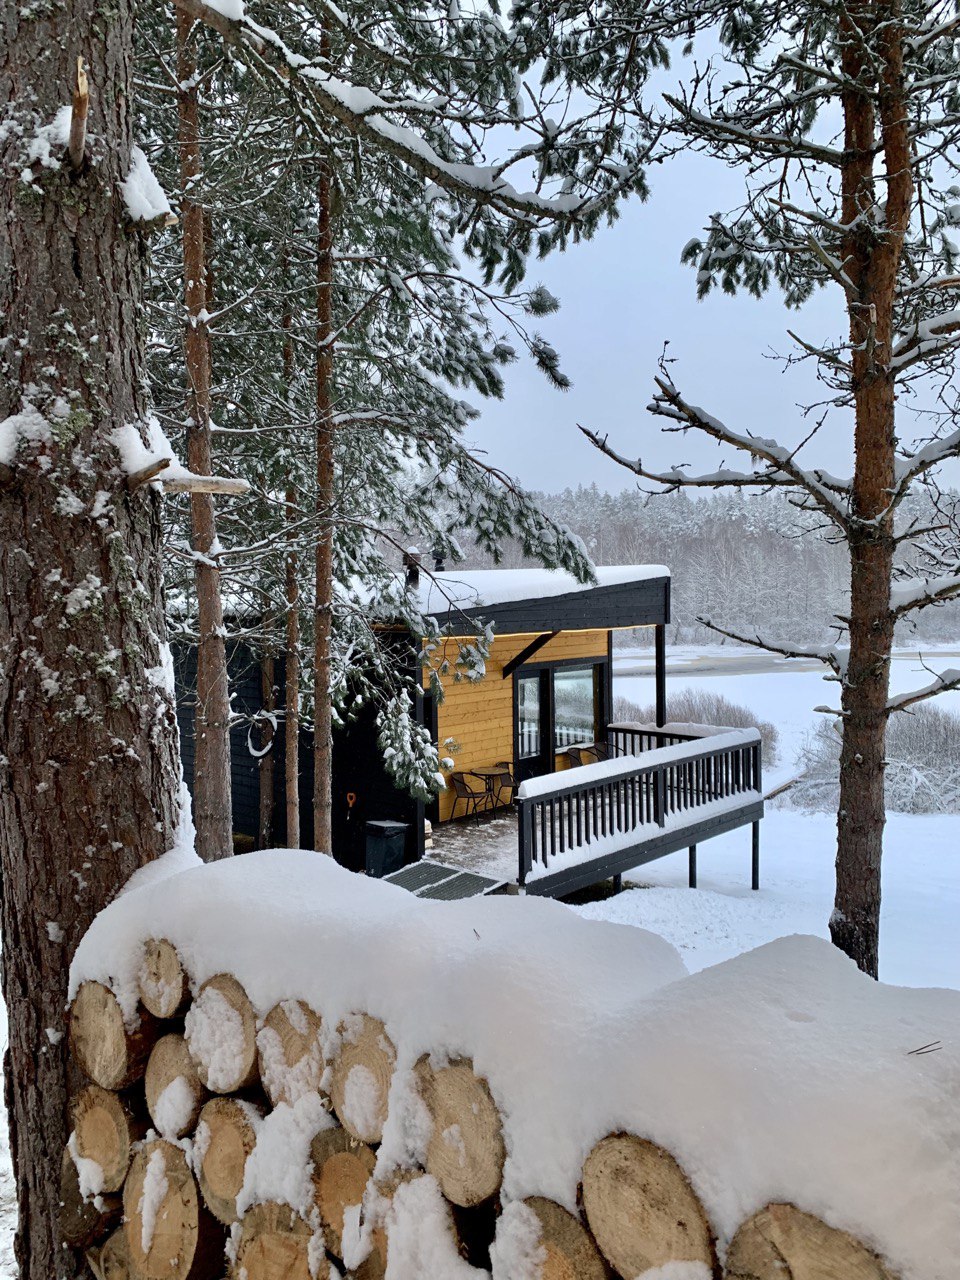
(207, 1076)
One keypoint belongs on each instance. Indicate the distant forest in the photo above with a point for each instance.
(746, 562)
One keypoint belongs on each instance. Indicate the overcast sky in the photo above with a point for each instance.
(622, 294)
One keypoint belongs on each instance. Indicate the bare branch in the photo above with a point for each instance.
(147, 473)
(943, 683)
(919, 594)
(830, 656)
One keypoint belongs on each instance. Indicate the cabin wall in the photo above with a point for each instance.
(478, 715)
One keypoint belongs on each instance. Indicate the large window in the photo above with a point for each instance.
(576, 702)
(530, 710)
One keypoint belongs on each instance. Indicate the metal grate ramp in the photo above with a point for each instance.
(434, 880)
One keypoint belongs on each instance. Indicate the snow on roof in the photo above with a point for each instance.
(476, 588)
(782, 1074)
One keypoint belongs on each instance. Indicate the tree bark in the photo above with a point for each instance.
(211, 779)
(291, 719)
(323, 719)
(266, 764)
(872, 259)
(89, 777)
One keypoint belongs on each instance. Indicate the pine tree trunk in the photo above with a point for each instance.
(211, 779)
(266, 764)
(291, 720)
(871, 261)
(89, 777)
(323, 720)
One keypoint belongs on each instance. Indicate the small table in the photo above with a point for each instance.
(490, 775)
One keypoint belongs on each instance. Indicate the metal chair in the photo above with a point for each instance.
(506, 781)
(474, 801)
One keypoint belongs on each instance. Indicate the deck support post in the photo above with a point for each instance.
(617, 883)
(660, 665)
(755, 882)
(693, 866)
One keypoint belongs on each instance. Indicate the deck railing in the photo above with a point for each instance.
(635, 739)
(617, 804)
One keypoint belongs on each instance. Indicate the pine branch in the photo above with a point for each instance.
(920, 594)
(318, 94)
(942, 683)
(829, 655)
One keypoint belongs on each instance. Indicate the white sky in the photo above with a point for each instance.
(622, 294)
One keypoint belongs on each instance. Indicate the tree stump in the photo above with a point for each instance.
(105, 1130)
(169, 1235)
(84, 1222)
(164, 989)
(360, 1077)
(571, 1252)
(290, 1056)
(173, 1088)
(221, 1034)
(226, 1135)
(105, 1050)
(466, 1152)
(782, 1242)
(641, 1208)
(276, 1244)
(342, 1167)
(111, 1261)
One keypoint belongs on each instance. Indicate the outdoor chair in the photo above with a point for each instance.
(505, 782)
(474, 801)
(591, 753)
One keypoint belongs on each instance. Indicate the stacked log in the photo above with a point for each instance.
(205, 1076)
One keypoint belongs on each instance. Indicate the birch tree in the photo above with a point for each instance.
(844, 121)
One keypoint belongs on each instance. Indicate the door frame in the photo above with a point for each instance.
(545, 762)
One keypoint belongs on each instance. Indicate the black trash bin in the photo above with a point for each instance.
(385, 847)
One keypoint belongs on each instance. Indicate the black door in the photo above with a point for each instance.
(533, 694)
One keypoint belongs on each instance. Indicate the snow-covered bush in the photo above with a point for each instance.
(703, 706)
(923, 764)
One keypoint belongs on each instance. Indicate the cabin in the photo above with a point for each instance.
(534, 737)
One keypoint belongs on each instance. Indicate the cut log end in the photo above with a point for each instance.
(173, 1089)
(221, 1034)
(168, 1234)
(641, 1208)
(163, 983)
(466, 1150)
(275, 1243)
(105, 1130)
(342, 1167)
(360, 1078)
(110, 1054)
(111, 1260)
(570, 1251)
(290, 1056)
(226, 1135)
(782, 1242)
(84, 1222)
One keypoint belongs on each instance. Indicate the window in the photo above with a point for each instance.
(576, 705)
(528, 714)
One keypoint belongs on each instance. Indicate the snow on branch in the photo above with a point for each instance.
(830, 494)
(830, 655)
(756, 141)
(918, 594)
(363, 113)
(930, 338)
(942, 683)
(911, 465)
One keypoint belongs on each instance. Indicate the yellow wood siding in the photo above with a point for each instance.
(478, 715)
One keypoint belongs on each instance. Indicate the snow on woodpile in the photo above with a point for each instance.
(568, 1072)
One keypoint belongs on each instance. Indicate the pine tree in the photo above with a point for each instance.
(844, 123)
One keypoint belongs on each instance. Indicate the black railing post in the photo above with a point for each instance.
(658, 814)
(525, 828)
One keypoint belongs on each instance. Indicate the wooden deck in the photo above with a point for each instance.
(668, 789)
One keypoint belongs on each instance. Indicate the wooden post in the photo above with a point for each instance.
(755, 883)
(693, 866)
(526, 840)
(660, 661)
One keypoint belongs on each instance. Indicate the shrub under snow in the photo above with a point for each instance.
(703, 706)
(923, 764)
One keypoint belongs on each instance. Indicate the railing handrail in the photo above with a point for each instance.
(587, 776)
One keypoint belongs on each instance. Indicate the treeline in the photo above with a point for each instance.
(747, 563)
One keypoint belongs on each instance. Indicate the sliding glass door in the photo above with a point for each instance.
(556, 706)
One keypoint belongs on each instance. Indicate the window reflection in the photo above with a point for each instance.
(529, 715)
(575, 705)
